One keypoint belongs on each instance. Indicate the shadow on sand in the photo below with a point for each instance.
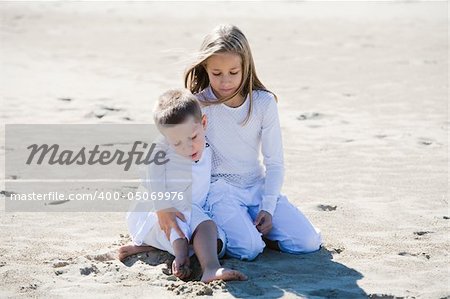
(275, 274)
(314, 275)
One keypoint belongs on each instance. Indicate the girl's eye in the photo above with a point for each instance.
(218, 74)
(177, 144)
(194, 137)
(235, 73)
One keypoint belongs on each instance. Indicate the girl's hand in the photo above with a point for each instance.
(167, 219)
(263, 222)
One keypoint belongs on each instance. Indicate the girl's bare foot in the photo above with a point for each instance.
(127, 250)
(223, 274)
(180, 267)
(272, 244)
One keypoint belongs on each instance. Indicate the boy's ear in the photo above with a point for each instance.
(204, 121)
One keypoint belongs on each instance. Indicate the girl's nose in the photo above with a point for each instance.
(226, 79)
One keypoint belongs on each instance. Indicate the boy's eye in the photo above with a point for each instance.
(194, 137)
(177, 144)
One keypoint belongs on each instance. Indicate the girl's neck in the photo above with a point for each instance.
(235, 102)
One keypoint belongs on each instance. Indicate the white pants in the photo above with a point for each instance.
(235, 209)
(156, 237)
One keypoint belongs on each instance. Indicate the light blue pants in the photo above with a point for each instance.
(235, 209)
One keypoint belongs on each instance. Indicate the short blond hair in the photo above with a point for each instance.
(175, 106)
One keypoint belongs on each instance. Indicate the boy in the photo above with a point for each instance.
(178, 117)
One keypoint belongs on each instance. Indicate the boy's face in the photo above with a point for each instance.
(187, 138)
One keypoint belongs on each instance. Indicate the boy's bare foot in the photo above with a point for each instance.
(180, 267)
(130, 249)
(223, 274)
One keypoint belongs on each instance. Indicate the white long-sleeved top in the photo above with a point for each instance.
(237, 147)
(190, 179)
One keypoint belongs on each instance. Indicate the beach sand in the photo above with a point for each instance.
(363, 103)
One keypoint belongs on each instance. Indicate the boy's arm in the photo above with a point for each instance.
(156, 183)
(167, 219)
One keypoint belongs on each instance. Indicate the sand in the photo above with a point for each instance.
(363, 91)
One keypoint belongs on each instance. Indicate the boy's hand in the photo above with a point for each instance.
(263, 222)
(167, 219)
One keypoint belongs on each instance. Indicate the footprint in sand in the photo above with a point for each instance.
(7, 193)
(383, 296)
(109, 108)
(251, 290)
(60, 272)
(428, 142)
(56, 202)
(327, 208)
(65, 99)
(88, 270)
(338, 250)
(102, 257)
(97, 114)
(425, 141)
(31, 286)
(423, 254)
(60, 263)
(422, 233)
(195, 288)
(309, 116)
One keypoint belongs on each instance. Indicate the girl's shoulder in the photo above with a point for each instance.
(264, 100)
(263, 95)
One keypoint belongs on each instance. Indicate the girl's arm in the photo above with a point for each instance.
(272, 150)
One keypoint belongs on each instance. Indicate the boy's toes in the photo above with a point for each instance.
(187, 271)
(175, 270)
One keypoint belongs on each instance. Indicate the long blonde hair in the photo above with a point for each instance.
(229, 39)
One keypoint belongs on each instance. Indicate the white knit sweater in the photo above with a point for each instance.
(237, 148)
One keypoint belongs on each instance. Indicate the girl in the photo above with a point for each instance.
(244, 198)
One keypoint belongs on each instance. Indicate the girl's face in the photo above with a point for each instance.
(224, 73)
